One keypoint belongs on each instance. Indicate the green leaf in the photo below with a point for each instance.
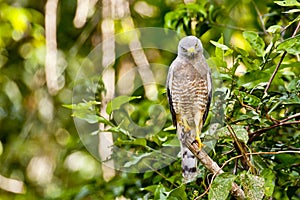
(269, 177)
(253, 78)
(221, 187)
(150, 188)
(148, 174)
(178, 193)
(255, 41)
(239, 130)
(86, 111)
(138, 141)
(241, 133)
(292, 11)
(291, 45)
(247, 98)
(135, 159)
(160, 193)
(220, 46)
(294, 85)
(287, 3)
(171, 143)
(117, 102)
(274, 29)
(253, 186)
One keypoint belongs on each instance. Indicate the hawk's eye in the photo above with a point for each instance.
(183, 49)
(196, 45)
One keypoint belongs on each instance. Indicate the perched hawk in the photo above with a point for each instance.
(189, 89)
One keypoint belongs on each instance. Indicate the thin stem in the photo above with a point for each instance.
(213, 24)
(262, 23)
(259, 132)
(279, 63)
(290, 117)
(274, 73)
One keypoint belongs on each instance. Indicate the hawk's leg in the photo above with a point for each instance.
(198, 132)
(185, 126)
(198, 123)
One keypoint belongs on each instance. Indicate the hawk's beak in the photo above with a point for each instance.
(191, 51)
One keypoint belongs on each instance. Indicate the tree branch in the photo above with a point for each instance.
(261, 131)
(212, 166)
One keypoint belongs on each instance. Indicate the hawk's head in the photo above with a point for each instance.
(190, 47)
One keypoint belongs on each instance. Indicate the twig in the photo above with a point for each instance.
(274, 73)
(290, 117)
(279, 63)
(260, 131)
(160, 174)
(240, 148)
(231, 27)
(212, 166)
(260, 17)
(235, 157)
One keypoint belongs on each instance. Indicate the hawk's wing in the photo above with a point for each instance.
(169, 93)
(209, 87)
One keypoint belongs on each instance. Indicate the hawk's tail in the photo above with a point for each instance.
(188, 161)
(189, 165)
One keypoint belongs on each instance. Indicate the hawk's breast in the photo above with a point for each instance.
(189, 91)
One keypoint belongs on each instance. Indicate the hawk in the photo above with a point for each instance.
(189, 89)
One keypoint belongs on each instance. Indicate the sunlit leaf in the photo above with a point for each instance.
(288, 3)
(220, 46)
(255, 41)
(291, 45)
(253, 186)
(135, 159)
(221, 187)
(292, 11)
(274, 29)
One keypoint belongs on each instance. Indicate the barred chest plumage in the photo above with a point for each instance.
(189, 91)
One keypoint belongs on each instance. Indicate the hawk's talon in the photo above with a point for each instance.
(200, 144)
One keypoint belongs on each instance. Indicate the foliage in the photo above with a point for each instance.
(248, 42)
